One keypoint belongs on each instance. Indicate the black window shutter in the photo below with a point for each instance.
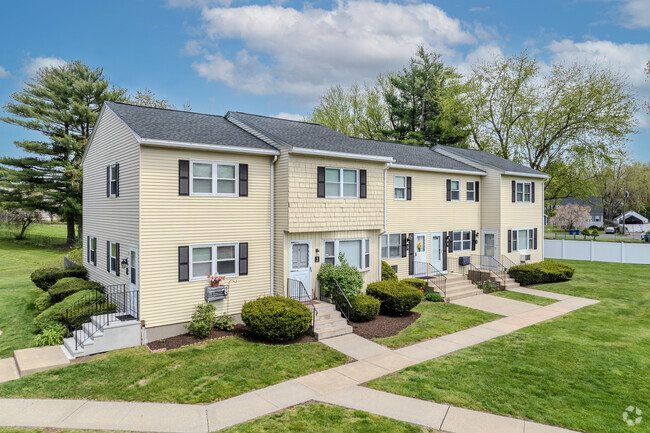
(88, 249)
(363, 183)
(403, 244)
(509, 241)
(476, 191)
(117, 180)
(408, 188)
(474, 242)
(448, 189)
(321, 182)
(183, 177)
(243, 258)
(108, 181)
(532, 192)
(444, 252)
(514, 191)
(117, 260)
(243, 180)
(535, 238)
(183, 263)
(411, 254)
(450, 243)
(108, 256)
(94, 254)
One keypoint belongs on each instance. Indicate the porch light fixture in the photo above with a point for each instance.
(125, 265)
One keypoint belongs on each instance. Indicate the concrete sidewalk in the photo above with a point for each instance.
(496, 305)
(339, 385)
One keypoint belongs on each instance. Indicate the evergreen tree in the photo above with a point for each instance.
(62, 103)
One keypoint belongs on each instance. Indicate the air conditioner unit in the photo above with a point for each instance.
(525, 258)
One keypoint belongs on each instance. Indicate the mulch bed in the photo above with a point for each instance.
(384, 326)
(240, 330)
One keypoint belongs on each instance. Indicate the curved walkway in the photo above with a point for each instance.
(339, 386)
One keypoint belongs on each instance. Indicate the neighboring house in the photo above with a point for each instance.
(595, 205)
(631, 218)
(172, 196)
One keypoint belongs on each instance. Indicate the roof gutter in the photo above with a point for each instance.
(516, 173)
(438, 170)
(205, 146)
(327, 153)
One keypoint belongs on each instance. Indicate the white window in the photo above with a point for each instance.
(399, 184)
(391, 246)
(355, 251)
(214, 178)
(113, 253)
(471, 196)
(462, 240)
(455, 190)
(112, 180)
(93, 250)
(523, 194)
(595, 218)
(522, 239)
(341, 183)
(211, 259)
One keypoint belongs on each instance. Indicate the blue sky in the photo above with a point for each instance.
(276, 57)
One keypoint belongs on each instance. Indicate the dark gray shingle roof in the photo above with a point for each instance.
(595, 203)
(318, 137)
(491, 160)
(184, 126)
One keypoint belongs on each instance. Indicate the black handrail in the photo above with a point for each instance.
(428, 272)
(297, 290)
(338, 297)
(490, 264)
(481, 277)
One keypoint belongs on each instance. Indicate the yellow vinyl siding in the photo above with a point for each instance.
(110, 219)
(521, 215)
(281, 218)
(170, 221)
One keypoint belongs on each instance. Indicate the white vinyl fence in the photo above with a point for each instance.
(618, 252)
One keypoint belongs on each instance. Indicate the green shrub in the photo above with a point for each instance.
(53, 314)
(397, 298)
(364, 308)
(275, 318)
(348, 277)
(415, 282)
(225, 323)
(202, 320)
(44, 278)
(43, 302)
(69, 285)
(51, 336)
(433, 297)
(387, 273)
(543, 272)
(76, 255)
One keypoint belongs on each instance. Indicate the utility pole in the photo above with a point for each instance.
(625, 196)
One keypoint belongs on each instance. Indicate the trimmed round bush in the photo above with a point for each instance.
(54, 314)
(397, 298)
(69, 285)
(415, 282)
(348, 277)
(364, 308)
(387, 273)
(44, 278)
(433, 297)
(547, 271)
(275, 318)
(43, 302)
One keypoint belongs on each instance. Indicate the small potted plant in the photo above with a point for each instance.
(215, 280)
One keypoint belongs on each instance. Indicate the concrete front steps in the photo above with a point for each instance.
(329, 322)
(99, 336)
(458, 287)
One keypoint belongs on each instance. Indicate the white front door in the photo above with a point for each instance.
(436, 250)
(300, 269)
(133, 282)
(490, 248)
(420, 259)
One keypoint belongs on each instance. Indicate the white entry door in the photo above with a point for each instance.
(420, 254)
(133, 282)
(300, 269)
(490, 248)
(436, 250)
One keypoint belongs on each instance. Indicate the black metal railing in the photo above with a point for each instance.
(507, 263)
(454, 267)
(297, 290)
(482, 278)
(428, 272)
(97, 309)
(490, 264)
(338, 298)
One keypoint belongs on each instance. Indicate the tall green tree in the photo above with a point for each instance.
(62, 103)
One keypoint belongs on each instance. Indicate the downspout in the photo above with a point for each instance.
(275, 158)
(388, 164)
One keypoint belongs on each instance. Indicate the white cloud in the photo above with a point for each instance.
(36, 63)
(307, 50)
(289, 116)
(3, 72)
(636, 13)
(479, 9)
(627, 58)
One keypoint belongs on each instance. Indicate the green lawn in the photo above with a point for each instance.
(437, 318)
(531, 299)
(17, 292)
(321, 418)
(579, 371)
(57, 230)
(202, 373)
